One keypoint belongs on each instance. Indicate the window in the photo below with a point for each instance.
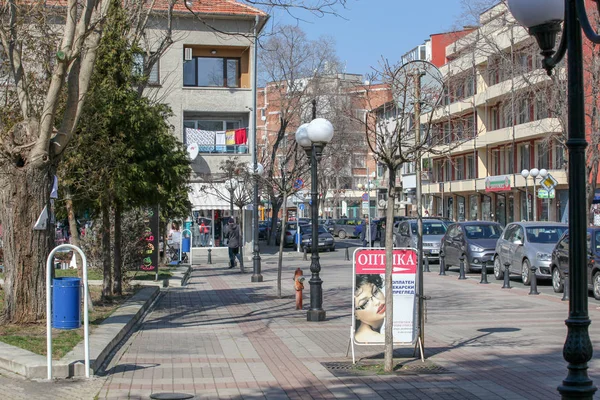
(543, 156)
(507, 116)
(211, 72)
(509, 160)
(358, 161)
(448, 171)
(495, 119)
(470, 167)
(447, 133)
(139, 62)
(470, 126)
(495, 165)
(439, 171)
(541, 107)
(460, 169)
(523, 111)
(559, 156)
(525, 157)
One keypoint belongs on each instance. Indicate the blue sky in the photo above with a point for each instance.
(375, 28)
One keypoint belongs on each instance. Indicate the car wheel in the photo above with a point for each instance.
(596, 285)
(498, 274)
(342, 234)
(526, 273)
(557, 282)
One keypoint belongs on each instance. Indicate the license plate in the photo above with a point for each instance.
(321, 244)
(434, 251)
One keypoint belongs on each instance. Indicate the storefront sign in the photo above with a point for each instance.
(498, 183)
(368, 302)
(151, 235)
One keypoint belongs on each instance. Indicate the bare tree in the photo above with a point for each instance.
(295, 69)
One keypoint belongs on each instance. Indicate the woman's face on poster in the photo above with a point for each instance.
(369, 303)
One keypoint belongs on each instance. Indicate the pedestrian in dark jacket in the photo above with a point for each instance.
(363, 232)
(234, 236)
(374, 233)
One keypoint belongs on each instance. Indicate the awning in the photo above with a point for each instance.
(209, 196)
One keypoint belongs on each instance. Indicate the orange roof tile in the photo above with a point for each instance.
(226, 7)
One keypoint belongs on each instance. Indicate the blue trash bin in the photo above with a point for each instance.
(66, 300)
(185, 245)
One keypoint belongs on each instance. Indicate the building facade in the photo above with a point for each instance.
(206, 76)
(497, 119)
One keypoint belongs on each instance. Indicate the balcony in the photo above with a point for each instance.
(524, 131)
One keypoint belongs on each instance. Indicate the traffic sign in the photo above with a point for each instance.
(365, 197)
(301, 206)
(299, 184)
(546, 194)
(549, 182)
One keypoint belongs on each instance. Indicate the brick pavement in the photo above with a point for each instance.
(224, 337)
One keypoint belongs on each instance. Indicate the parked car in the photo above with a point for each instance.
(560, 262)
(290, 234)
(329, 224)
(263, 230)
(326, 240)
(433, 231)
(475, 240)
(526, 244)
(344, 227)
(445, 221)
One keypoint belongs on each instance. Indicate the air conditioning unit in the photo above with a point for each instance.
(187, 54)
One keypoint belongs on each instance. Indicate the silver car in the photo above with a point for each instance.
(290, 236)
(527, 244)
(433, 231)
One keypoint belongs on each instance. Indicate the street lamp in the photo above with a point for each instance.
(231, 185)
(543, 18)
(534, 173)
(256, 170)
(313, 138)
(525, 174)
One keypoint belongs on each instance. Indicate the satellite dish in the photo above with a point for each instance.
(382, 203)
(192, 151)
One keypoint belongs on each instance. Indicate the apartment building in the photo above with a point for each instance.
(347, 173)
(206, 76)
(433, 50)
(496, 120)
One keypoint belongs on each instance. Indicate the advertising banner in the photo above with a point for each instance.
(368, 301)
(150, 256)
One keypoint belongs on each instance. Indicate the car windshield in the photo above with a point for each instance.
(483, 231)
(544, 234)
(304, 229)
(430, 228)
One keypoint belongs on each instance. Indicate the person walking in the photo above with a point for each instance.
(233, 234)
(374, 233)
(203, 234)
(363, 232)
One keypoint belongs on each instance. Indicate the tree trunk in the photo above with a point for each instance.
(24, 193)
(74, 239)
(388, 363)
(107, 278)
(276, 206)
(118, 262)
(281, 243)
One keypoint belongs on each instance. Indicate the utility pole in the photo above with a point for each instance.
(417, 124)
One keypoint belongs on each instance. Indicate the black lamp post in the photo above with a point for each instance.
(313, 138)
(543, 18)
(256, 171)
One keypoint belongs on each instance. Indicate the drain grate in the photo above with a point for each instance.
(417, 368)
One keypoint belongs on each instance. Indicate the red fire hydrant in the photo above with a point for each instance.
(298, 286)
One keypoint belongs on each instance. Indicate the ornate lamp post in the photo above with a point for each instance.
(313, 138)
(256, 170)
(543, 18)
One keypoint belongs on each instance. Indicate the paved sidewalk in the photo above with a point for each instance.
(224, 337)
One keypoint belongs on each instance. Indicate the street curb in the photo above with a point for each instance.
(102, 341)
